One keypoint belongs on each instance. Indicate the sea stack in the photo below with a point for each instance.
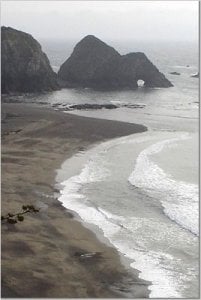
(94, 64)
(24, 67)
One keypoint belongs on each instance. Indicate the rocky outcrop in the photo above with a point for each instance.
(175, 73)
(89, 55)
(95, 64)
(93, 106)
(24, 67)
(197, 75)
(85, 106)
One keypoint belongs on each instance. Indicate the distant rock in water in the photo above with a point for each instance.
(88, 57)
(196, 75)
(175, 73)
(93, 106)
(24, 67)
(95, 64)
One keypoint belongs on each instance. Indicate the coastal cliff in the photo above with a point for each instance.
(95, 64)
(25, 68)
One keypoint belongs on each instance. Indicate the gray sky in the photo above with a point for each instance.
(137, 20)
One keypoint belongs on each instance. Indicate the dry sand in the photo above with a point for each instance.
(41, 256)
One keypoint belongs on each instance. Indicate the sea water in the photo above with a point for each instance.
(141, 191)
(151, 218)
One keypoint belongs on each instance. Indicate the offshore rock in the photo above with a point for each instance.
(89, 55)
(92, 106)
(175, 73)
(95, 64)
(25, 68)
(197, 75)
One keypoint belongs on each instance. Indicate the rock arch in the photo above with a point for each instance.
(97, 65)
(140, 83)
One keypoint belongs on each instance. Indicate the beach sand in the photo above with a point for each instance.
(41, 256)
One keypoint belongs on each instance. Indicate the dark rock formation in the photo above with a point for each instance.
(25, 68)
(91, 106)
(89, 55)
(87, 106)
(196, 75)
(95, 64)
(175, 73)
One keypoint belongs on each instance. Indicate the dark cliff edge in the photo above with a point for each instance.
(96, 65)
(24, 67)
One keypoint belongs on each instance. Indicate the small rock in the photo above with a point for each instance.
(175, 73)
(197, 75)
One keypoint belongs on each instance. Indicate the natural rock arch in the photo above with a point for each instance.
(140, 83)
(95, 64)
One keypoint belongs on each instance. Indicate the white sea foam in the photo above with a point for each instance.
(71, 195)
(150, 263)
(110, 216)
(125, 233)
(179, 199)
(163, 284)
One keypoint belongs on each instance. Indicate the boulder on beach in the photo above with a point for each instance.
(24, 67)
(94, 64)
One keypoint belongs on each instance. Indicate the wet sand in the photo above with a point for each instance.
(42, 256)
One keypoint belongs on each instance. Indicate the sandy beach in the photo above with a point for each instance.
(41, 256)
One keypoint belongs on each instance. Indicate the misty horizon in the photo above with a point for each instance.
(108, 20)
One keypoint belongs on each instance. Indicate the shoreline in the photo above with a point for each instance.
(40, 256)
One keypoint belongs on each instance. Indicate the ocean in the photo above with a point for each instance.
(141, 191)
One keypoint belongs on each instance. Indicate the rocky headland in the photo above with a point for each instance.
(24, 67)
(94, 64)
